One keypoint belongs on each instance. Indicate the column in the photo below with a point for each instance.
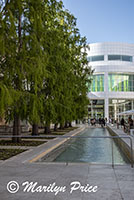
(115, 111)
(92, 109)
(124, 108)
(106, 95)
(132, 107)
(106, 83)
(106, 108)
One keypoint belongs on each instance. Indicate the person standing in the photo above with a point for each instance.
(122, 122)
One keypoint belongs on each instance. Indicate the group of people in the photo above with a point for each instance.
(129, 122)
(125, 124)
(100, 121)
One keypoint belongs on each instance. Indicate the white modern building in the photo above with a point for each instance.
(112, 89)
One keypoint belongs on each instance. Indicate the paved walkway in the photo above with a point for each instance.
(113, 184)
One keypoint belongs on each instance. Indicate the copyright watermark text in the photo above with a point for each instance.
(35, 187)
(13, 187)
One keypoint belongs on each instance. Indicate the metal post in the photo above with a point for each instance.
(131, 144)
(112, 153)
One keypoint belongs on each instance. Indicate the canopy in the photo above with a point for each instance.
(128, 112)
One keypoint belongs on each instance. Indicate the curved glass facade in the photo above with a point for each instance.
(97, 83)
(113, 78)
(121, 82)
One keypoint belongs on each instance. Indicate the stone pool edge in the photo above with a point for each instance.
(123, 143)
(55, 144)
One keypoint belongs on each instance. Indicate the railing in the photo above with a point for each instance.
(69, 137)
(132, 132)
(126, 128)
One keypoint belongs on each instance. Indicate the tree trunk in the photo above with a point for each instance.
(66, 125)
(16, 124)
(70, 125)
(61, 126)
(35, 129)
(47, 130)
(55, 127)
(16, 129)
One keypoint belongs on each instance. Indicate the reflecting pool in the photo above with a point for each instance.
(92, 150)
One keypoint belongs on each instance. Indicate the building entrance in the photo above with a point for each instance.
(96, 109)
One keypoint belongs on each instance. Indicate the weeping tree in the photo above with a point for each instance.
(73, 73)
(65, 86)
(43, 65)
(22, 58)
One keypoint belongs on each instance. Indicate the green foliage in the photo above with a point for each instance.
(43, 64)
(5, 98)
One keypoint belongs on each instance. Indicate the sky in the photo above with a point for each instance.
(104, 20)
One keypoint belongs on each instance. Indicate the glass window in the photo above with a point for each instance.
(88, 59)
(120, 57)
(97, 84)
(127, 58)
(121, 82)
(114, 57)
(95, 58)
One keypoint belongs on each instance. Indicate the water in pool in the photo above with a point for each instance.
(92, 150)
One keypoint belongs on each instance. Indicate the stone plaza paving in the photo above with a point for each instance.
(46, 178)
(113, 184)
